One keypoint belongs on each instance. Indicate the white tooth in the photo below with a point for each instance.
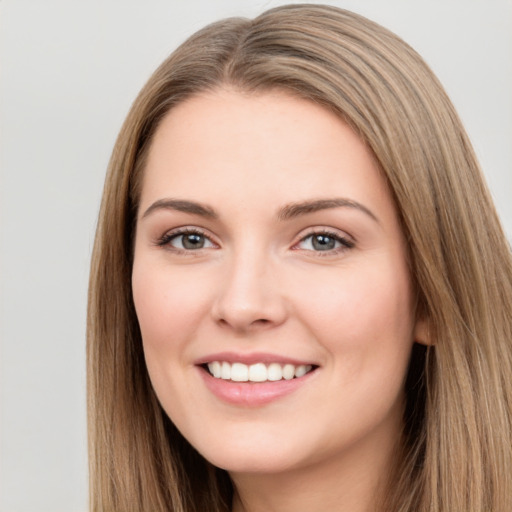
(300, 370)
(288, 371)
(215, 369)
(257, 372)
(225, 371)
(239, 372)
(274, 372)
(308, 368)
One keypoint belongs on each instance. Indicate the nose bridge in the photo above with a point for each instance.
(248, 295)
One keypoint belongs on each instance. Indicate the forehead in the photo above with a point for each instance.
(269, 146)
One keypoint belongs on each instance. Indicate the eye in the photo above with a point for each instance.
(324, 241)
(186, 240)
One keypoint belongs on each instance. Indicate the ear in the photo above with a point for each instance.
(421, 333)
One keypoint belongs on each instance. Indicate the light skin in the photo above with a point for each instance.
(266, 230)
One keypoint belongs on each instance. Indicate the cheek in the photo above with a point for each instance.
(169, 306)
(365, 319)
(365, 325)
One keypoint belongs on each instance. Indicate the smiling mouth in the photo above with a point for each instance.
(259, 372)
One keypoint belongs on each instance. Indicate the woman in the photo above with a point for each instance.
(300, 291)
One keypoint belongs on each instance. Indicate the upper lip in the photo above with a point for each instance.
(251, 358)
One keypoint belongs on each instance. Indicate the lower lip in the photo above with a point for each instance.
(252, 394)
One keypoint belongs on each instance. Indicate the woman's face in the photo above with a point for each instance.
(268, 248)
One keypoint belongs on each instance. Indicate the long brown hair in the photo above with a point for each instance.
(457, 449)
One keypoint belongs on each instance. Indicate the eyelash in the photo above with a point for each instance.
(167, 238)
(345, 243)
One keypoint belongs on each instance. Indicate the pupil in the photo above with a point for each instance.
(323, 242)
(193, 241)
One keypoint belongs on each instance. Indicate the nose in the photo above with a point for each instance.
(250, 296)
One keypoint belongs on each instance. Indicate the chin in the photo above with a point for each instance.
(252, 463)
(252, 457)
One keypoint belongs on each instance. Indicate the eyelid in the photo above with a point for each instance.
(347, 241)
(165, 239)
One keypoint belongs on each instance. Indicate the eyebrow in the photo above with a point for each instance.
(293, 210)
(181, 206)
(287, 212)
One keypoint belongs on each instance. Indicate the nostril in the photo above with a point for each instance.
(260, 323)
(244, 312)
(250, 325)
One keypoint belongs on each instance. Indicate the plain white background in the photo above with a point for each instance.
(69, 72)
